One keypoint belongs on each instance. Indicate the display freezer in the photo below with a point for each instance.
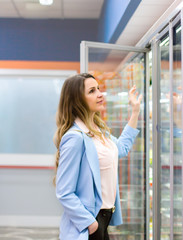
(151, 176)
(167, 132)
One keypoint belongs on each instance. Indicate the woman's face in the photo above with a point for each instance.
(93, 96)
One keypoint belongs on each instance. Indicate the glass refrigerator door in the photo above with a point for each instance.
(177, 133)
(167, 214)
(117, 69)
(165, 138)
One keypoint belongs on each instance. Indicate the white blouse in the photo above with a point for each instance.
(108, 161)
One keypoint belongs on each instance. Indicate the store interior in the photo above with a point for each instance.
(150, 177)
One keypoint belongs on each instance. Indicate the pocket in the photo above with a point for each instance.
(94, 233)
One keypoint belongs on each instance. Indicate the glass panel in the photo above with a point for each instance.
(116, 72)
(177, 138)
(150, 128)
(165, 138)
(28, 106)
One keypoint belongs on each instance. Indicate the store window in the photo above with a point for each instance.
(28, 111)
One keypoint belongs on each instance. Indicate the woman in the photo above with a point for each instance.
(87, 159)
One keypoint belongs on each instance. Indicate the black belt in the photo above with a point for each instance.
(111, 210)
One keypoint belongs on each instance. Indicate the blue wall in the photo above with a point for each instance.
(114, 17)
(59, 40)
(45, 40)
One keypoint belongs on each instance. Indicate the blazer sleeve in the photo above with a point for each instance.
(71, 151)
(126, 140)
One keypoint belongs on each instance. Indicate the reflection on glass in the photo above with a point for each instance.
(165, 139)
(117, 72)
(177, 142)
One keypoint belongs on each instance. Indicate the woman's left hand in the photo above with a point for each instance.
(135, 100)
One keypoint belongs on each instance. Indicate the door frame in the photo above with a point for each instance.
(84, 60)
(85, 45)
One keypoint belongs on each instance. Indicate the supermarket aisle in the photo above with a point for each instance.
(13, 233)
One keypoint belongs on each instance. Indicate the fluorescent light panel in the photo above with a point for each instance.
(46, 2)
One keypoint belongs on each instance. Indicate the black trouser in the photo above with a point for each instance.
(103, 218)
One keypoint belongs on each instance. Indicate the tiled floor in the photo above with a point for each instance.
(11, 233)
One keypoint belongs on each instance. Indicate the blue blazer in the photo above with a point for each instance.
(78, 184)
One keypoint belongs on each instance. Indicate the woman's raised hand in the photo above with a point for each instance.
(135, 100)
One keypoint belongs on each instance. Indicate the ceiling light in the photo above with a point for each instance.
(46, 2)
(178, 29)
(165, 41)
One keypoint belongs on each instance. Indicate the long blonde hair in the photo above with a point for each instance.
(72, 104)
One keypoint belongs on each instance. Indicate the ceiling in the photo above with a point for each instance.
(146, 14)
(59, 9)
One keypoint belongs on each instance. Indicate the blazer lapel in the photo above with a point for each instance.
(93, 160)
